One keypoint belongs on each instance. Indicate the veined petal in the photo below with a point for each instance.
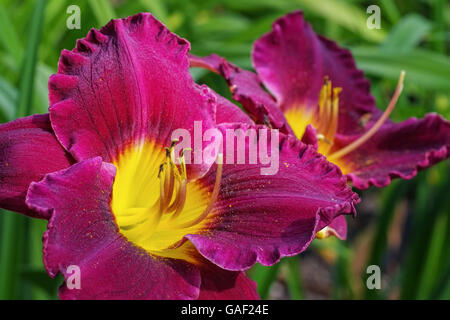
(396, 150)
(293, 61)
(123, 85)
(28, 151)
(262, 218)
(246, 89)
(82, 232)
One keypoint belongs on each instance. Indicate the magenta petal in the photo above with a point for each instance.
(397, 150)
(227, 285)
(262, 218)
(292, 61)
(310, 137)
(126, 83)
(220, 284)
(337, 228)
(246, 89)
(28, 150)
(82, 232)
(228, 112)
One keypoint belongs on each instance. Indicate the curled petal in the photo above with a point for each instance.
(28, 151)
(337, 228)
(121, 85)
(310, 137)
(262, 218)
(396, 150)
(82, 232)
(246, 89)
(292, 62)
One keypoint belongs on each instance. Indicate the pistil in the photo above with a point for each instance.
(369, 134)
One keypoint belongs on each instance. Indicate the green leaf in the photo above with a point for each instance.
(156, 8)
(12, 227)
(30, 60)
(407, 34)
(264, 277)
(103, 11)
(423, 68)
(8, 36)
(391, 10)
(429, 201)
(36, 229)
(294, 281)
(433, 255)
(11, 250)
(254, 5)
(39, 279)
(388, 202)
(8, 99)
(344, 14)
(440, 11)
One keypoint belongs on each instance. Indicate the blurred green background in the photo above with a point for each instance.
(403, 228)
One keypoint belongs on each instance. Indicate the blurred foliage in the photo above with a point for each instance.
(403, 228)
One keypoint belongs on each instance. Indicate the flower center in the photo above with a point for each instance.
(153, 202)
(325, 120)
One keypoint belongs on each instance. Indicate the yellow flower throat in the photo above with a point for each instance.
(153, 202)
(325, 120)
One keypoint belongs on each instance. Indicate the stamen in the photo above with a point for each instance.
(180, 199)
(365, 137)
(214, 195)
(326, 117)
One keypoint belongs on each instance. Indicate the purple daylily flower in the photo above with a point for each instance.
(138, 225)
(318, 94)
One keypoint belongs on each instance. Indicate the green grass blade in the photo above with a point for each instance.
(344, 290)
(13, 224)
(156, 8)
(389, 200)
(344, 14)
(407, 34)
(433, 256)
(439, 12)
(423, 68)
(11, 247)
(30, 60)
(8, 99)
(430, 198)
(391, 10)
(294, 281)
(8, 36)
(37, 228)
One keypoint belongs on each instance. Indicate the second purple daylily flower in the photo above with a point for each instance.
(318, 95)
